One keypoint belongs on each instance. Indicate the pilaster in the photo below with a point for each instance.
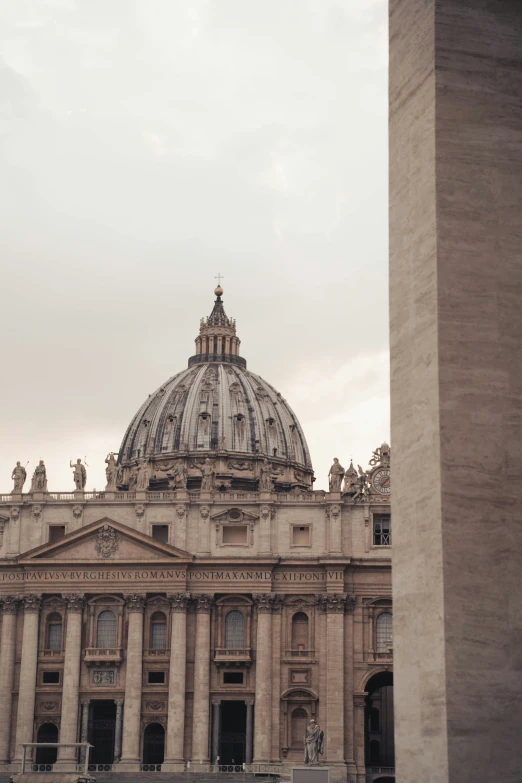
(71, 679)
(28, 667)
(263, 706)
(174, 749)
(201, 717)
(132, 708)
(7, 667)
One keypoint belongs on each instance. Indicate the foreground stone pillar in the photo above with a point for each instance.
(174, 751)
(263, 706)
(359, 703)
(71, 680)
(334, 606)
(7, 666)
(201, 716)
(216, 716)
(85, 724)
(249, 722)
(130, 759)
(118, 730)
(26, 691)
(456, 387)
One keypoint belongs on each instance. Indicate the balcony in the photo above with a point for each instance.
(232, 657)
(156, 654)
(100, 656)
(54, 656)
(300, 653)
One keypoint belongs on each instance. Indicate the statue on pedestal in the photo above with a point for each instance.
(110, 471)
(265, 477)
(19, 476)
(207, 476)
(39, 480)
(142, 475)
(336, 474)
(313, 743)
(79, 474)
(178, 477)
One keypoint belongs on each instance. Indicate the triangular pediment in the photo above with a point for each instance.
(105, 541)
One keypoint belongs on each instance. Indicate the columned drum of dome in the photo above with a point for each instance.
(218, 410)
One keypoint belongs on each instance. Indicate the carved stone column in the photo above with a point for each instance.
(26, 691)
(359, 703)
(7, 666)
(118, 730)
(334, 606)
(276, 679)
(84, 735)
(216, 716)
(201, 715)
(263, 718)
(132, 707)
(71, 678)
(174, 750)
(249, 716)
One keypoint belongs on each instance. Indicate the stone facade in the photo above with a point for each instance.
(169, 626)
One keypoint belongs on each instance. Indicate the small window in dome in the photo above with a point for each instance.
(270, 422)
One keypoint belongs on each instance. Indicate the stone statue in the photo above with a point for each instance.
(314, 743)
(111, 471)
(178, 477)
(39, 480)
(336, 474)
(207, 473)
(142, 475)
(362, 484)
(265, 477)
(79, 474)
(19, 476)
(350, 480)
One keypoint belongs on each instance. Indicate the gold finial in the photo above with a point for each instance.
(219, 291)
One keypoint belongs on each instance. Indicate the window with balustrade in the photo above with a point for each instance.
(158, 631)
(106, 630)
(383, 631)
(234, 630)
(381, 530)
(53, 632)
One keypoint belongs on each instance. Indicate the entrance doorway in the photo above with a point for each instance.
(48, 732)
(154, 744)
(102, 725)
(233, 732)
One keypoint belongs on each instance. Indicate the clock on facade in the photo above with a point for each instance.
(381, 481)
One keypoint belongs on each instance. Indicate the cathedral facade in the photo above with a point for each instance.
(208, 604)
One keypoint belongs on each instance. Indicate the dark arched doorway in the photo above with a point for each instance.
(154, 744)
(47, 732)
(379, 744)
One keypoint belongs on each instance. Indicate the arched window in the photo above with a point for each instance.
(106, 629)
(375, 752)
(299, 721)
(384, 631)
(53, 633)
(234, 630)
(300, 631)
(158, 631)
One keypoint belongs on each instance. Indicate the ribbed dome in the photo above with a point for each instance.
(217, 408)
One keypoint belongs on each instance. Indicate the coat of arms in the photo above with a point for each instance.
(106, 541)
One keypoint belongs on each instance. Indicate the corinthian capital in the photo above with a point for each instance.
(179, 601)
(332, 603)
(135, 602)
(203, 602)
(264, 601)
(32, 603)
(75, 602)
(10, 603)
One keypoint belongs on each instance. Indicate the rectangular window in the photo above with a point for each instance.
(233, 678)
(237, 535)
(54, 636)
(160, 533)
(156, 678)
(50, 678)
(56, 532)
(300, 535)
(381, 530)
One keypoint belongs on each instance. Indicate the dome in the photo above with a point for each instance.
(217, 412)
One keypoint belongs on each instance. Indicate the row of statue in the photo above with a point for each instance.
(39, 479)
(356, 483)
(177, 475)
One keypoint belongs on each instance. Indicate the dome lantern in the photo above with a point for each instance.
(217, 340)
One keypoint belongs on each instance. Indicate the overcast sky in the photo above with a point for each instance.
(145, 146)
